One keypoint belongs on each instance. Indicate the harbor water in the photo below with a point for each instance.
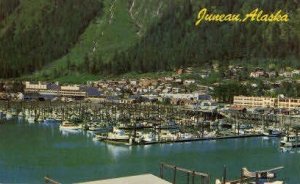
(28, 152)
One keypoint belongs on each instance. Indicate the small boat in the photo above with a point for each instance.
(67, 125)
(31, 119)
(207, 134)
(291, 140)
(185, 136)
(20, 115)
(272, 133)
(149, 137)
(9, 116)
(240, 132)
(117, 135)
(167, 135)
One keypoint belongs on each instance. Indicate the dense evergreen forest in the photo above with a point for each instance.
(174, 41)
(31, 41)
(6, 7)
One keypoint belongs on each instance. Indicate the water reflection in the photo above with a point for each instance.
(265, 138)
(70, 132)
(289, 150)
(117, 151)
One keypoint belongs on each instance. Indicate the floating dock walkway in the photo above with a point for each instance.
(144, 179)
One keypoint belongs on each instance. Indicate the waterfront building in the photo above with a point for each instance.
(56, 90)
(35, 87)
(252, 101)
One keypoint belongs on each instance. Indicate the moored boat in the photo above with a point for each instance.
(31, 119)
(118, 135)
(67, 125)
(291, 140)
(168, 135)
(9, 115)
(149, 137)
(272, 132)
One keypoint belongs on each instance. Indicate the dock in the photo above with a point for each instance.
(184, 140)
(138, 179)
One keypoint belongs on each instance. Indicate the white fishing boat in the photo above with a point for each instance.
(185, 136)
(207, 134)
(240, 132)
(27, 112)
(291, 140)
(31, 119)
(9, 115)
(272, 132)
(20, 115)
(167, 135)
(69, 126)
(149, 137)
(117, 135)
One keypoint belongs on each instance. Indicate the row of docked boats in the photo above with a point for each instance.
(138, 132)
(30, 116)
(106, 132)
(118, 135)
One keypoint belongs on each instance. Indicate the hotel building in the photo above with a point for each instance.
(251, 101)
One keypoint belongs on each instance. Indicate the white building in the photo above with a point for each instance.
(35, 86)
(70, 88)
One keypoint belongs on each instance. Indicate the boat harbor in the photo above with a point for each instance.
(134, 124)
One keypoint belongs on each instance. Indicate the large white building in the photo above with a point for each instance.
(252, 101)
(54, 89)
(35, 86)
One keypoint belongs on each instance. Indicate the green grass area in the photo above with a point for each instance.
(108, 33)
(118, 28)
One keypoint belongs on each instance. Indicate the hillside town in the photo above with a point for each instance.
(184, 88)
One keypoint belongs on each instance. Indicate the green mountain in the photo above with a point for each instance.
(61, 38)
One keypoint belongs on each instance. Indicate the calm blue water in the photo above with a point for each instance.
(29, 152)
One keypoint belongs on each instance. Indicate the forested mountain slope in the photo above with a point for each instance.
(57, 38)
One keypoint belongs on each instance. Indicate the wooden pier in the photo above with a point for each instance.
(138, 179)
(191, 175)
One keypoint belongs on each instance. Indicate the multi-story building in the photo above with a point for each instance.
(60, 91)
(35, 87)
(288, 103)
(252, 101)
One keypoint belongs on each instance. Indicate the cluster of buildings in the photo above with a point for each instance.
(261, 73)
(267, 102)
(174, 90)
(171, 90)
